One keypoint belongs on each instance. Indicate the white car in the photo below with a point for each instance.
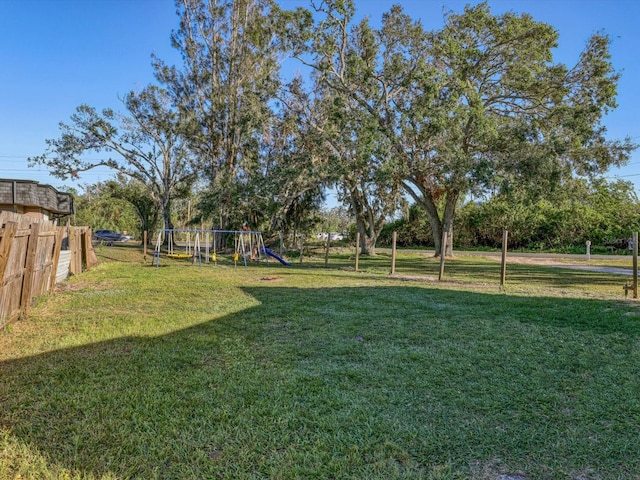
(332, 236)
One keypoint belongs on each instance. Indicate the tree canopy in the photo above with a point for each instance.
(143, 145)
(228, 76)
(478, 107)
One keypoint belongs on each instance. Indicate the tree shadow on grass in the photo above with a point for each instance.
(390, 382)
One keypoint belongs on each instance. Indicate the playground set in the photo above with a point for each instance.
(213, 246)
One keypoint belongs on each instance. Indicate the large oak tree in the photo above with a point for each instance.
(478, 105)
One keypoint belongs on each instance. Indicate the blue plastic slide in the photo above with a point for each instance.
(271, 254)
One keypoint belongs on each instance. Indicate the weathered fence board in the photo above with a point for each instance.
(28, 274)
(6, 240)
(30, 252)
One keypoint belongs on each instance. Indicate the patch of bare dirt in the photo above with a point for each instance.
(529, 260)
(70, 287)
(271, 278)
(494, 470)
(414, 278)
(550, 262)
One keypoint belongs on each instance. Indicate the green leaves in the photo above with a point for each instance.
(222, 91)
(476, 105)
(142, 145)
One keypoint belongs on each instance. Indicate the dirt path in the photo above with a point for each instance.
(548, 259)
(588, 268)
(554, 262)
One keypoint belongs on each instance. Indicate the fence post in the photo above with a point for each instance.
(6, 244)
(588, 250)
(394, 239)
(357, 249)
(443, 249)
(27, 279)
(326, 253)
(635, 264)
(91, 253)
(86, 248)
(73, 246)
(301, 247)
(503, 265)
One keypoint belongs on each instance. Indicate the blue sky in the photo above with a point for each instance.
(58, 54)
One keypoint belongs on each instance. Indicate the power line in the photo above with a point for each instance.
(34, 171)
(624, 176)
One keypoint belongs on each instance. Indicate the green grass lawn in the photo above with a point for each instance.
(182, 372)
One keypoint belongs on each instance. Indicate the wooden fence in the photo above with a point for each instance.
(29, 260)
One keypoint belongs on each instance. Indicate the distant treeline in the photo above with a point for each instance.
(564, 220)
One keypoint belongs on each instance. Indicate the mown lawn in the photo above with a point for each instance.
(181, 372)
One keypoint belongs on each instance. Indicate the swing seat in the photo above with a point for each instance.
(179, 255)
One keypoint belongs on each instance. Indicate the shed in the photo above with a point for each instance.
(32, 198)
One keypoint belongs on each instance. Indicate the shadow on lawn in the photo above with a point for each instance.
(335, 382)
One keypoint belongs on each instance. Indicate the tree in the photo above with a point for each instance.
(143, 145)
(380, 76)
(358, 152)
(295, 171)
(513, 117)
(223, 89)
(360, 167)
(597, 211)
(475, 106)
(97, 208)
(136, 194)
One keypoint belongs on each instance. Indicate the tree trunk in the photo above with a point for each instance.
(368, 236)
(166, 220)
(438, 225)
(367, 242)
(431, 210)
(366, 222)
(447, 220)
(367, 246)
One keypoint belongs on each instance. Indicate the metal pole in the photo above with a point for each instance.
(244, 251)
(207, 248)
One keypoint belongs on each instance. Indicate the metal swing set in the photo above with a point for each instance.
(210, 246)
